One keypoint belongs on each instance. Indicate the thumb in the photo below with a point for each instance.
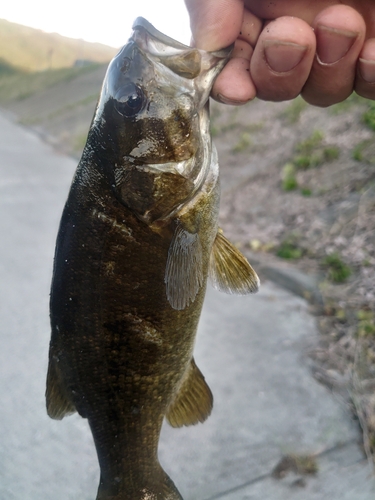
(215, 24)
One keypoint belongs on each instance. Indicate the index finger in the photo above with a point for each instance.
(215, 24)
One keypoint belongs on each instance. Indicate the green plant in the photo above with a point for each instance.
(243, 143)
(337, 270)
(289, 181)
(364, 151)
(306, 191)
(289, 250)
(357, 153)
(331, 153)
(309, 144)
(302, 162)
(366, 324)
(310, 152)
(341, 107)
(368, 116)
(294, 110)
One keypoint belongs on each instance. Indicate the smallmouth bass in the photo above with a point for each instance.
(137, 240)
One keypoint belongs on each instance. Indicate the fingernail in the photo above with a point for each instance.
(227, 100)
(282, 57)
(333, 44)
(367, 70)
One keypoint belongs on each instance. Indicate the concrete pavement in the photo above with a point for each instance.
(252, 351)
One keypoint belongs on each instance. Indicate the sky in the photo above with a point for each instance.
(105, 21)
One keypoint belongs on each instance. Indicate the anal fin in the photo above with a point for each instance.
(184, 270)
(193, 401)
(229, 270)
(58, 403)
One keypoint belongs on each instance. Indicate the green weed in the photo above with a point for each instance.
(311, 153)
(366, 324)
(302, 162)
(289, 183)
(368, 116)
(288, 177)
(364, 151)
(289, 248)
(243, 143)
(342, 107)
(331, 153)
(294, 110)
(309, 144)
(357, 153)
(337, 270)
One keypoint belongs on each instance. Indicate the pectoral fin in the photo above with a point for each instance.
(58, 402)
(193, 402)
(229, 270)
(183, 274)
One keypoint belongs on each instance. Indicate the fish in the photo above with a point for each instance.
(137, 241)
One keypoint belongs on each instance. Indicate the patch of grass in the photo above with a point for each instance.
(364, 151)
(288, 178)
(289, 248)
(293, 112)
(337, 270)
(366, 324)
(243, 143)
(311, 153)
(368, 116)
(342, 107)
(302, 162)
(357, 153)
(340, 314)
(308, 145)
(289, 183)
(331, 153)
(306, 191)
(19, 86)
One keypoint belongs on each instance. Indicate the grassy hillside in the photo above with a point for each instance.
(30, 49)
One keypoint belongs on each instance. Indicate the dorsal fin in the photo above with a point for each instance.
(184, 273)
(58, 403)
(193, 401)
(229, 270)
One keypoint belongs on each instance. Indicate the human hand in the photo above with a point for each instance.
(283, 48)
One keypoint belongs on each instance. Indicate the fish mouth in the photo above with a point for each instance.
(183, 168)
(141, 22)
(190, 59)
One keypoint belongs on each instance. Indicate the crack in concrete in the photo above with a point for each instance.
(255, 480)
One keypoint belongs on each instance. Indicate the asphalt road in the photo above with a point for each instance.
(252, 350)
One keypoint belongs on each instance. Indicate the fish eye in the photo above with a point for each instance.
(130, 100)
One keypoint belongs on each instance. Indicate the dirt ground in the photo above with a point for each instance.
(298, 185)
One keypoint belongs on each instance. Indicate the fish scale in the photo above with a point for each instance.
(137, 241)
